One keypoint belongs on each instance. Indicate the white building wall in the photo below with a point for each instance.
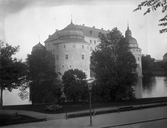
(92, 41)
(75, 53)
(138, 53)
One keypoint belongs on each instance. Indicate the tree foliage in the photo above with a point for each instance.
(153, 5)
(75, 85)
(147, 64)
(114, 67)
(44, 82)
(164, 66)
(12, 70)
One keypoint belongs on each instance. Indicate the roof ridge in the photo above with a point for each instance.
(83, 26)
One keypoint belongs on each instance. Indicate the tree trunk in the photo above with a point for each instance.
(1, 102)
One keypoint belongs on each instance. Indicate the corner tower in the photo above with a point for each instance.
(70, 49)
(136, 51)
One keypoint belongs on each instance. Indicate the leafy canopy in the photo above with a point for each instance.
(114, 67)
(12, 70)
(75, 85)
(153, 5)
(44, 83)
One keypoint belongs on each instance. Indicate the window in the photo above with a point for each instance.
(64, 46)
(94, 41)
(66, 56)
(82, 56)
(83, 46)
(57, 46)
(74, 46)
(138, 58)
(57, 57)
(91, 49)
(90, 41)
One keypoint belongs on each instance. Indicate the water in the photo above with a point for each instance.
(151, 87)
(12, 98)
(154, 87)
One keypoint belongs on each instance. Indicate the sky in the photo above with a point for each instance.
(28, 22)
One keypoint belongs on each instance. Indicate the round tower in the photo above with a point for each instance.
(136, 51)
(71, 50)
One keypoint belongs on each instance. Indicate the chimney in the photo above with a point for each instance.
(83, 24)
(93, 26)
(49, 36)
(101, 28)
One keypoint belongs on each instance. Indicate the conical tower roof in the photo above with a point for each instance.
(38, 46)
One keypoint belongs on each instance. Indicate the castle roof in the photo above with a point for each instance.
(71, 30)
(91, 31)
(38, 46)
(128, 36)
(76, 30)
(165, 55)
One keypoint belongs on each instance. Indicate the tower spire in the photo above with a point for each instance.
(128, 33)
(39, 38)
(71, 18)
(127, 25)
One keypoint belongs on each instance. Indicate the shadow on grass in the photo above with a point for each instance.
(69, 107)
(8, 119)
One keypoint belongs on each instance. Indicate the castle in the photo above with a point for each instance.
(72, 47)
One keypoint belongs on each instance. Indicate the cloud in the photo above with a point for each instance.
(14, 6)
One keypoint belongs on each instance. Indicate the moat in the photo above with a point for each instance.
(152, 87)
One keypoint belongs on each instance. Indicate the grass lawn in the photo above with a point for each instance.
(83, 106)
(66, 107)
(6, 119)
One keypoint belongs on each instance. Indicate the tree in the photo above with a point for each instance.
(12, 70)
(153, 5)
(75, 85)
(164, 67)
(114, 66)
(44, 81)
(147, 64)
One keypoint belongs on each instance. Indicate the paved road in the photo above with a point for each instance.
(152, 124)
(105, 121)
